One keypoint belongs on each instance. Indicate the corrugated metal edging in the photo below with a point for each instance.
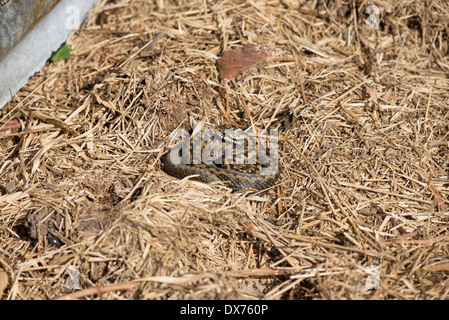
(17, 18)
(27, 45)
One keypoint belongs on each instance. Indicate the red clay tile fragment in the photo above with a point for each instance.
(232, 62)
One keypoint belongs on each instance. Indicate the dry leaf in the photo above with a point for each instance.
(232, 62)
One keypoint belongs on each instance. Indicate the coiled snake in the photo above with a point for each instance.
(248, 174)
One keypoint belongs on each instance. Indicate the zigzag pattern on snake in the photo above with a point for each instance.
(249, 175)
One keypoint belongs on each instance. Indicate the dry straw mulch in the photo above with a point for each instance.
(364, 125)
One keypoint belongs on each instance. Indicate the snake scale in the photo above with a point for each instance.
(234, 176)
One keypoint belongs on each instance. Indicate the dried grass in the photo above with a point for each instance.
(364, 157)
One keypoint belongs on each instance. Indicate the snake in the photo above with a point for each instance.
(237, 177)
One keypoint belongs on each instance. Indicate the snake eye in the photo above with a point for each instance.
(55, 241)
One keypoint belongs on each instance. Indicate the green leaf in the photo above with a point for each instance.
(62, 53)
